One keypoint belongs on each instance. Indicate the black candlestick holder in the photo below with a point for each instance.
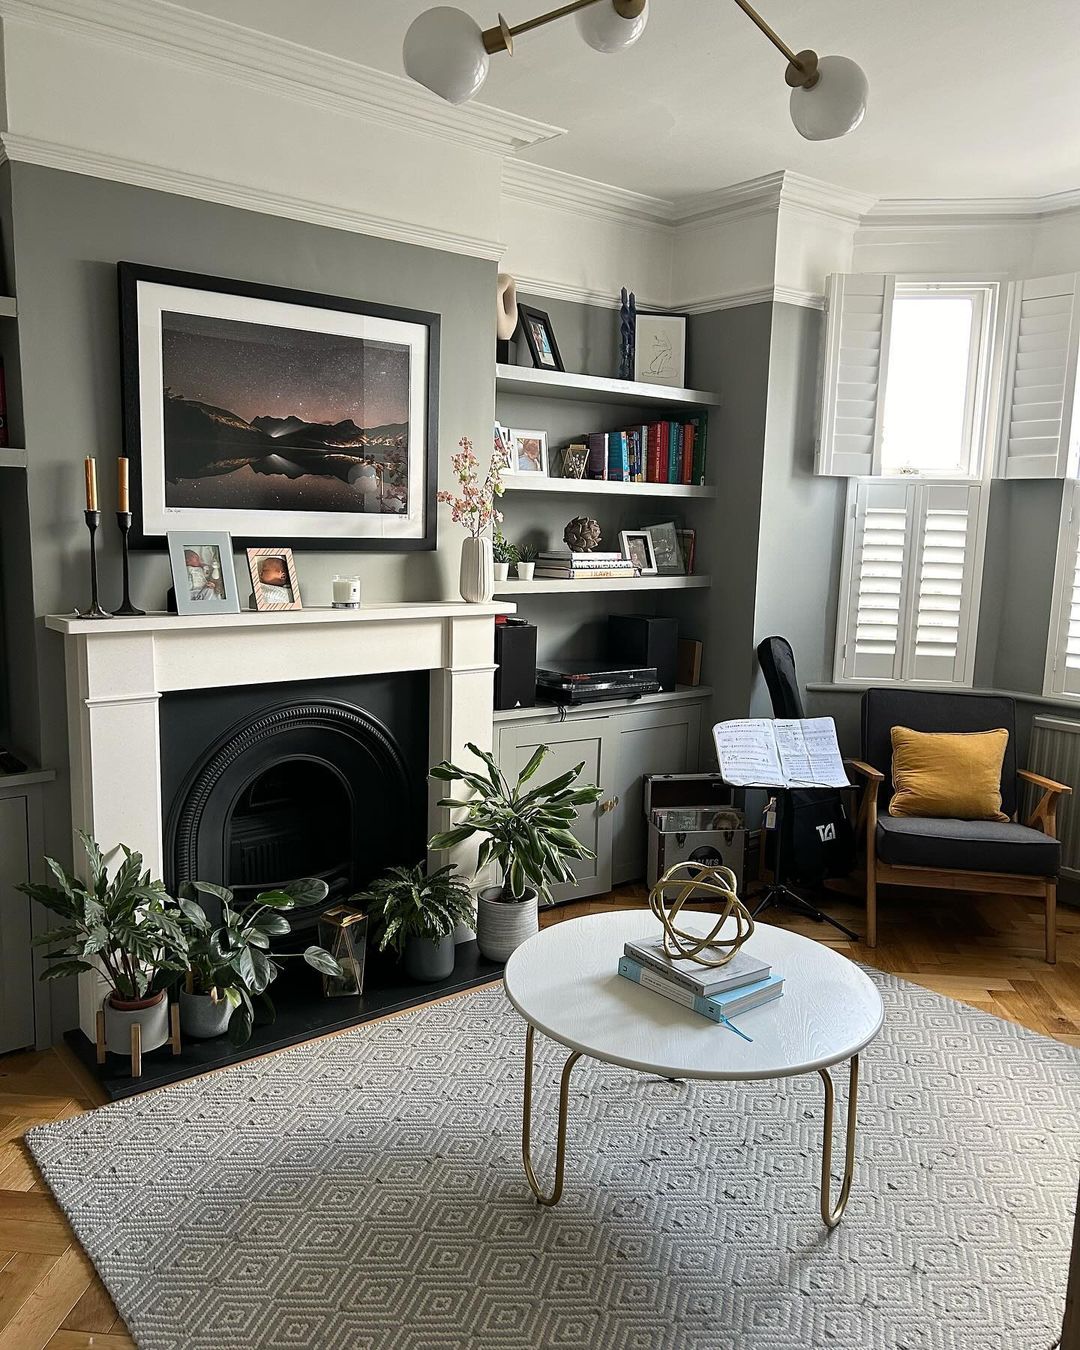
(93, 520)
(127, 610)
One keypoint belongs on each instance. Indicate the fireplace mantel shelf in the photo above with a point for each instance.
(160, 622)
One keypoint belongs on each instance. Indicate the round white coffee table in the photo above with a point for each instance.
(565, 983)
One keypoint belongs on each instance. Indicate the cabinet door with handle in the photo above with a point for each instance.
(571, 742)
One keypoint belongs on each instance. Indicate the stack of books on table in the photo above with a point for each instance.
(583, 566)
(716, 992)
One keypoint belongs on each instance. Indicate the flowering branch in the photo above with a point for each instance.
(475, 508)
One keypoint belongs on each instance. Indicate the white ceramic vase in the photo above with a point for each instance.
(503, 925)
(525, 571)
(477, 580)
(152, 1015)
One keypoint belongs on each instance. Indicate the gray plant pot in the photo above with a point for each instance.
(502, 926)
(428, 960)
(202, 1018)
(152, 1017)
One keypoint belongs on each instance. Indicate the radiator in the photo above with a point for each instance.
(1055, 753)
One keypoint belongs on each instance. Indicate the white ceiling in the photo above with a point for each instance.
(969, 98)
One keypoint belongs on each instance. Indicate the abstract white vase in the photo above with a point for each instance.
(477, 580)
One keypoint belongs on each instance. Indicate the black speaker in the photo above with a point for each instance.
(645, 640)
(515, 656)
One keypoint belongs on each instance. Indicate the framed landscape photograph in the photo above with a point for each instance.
(277, 414)
(203, 574)
(528, 452)
(660, 349)
(274, 583)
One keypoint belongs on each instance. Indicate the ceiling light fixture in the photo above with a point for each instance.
(448, 52)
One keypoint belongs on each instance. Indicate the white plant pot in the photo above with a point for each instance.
(153, 1020)
(502, 926)
(477, 578)
(502, 571)
(201, 1017)
(525, 571)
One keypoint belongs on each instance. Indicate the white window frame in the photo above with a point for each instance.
(917, 490)
(1056, 674)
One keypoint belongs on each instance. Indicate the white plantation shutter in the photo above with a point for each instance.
(909, 582)
(1039, 426)
(1063, 651)
(856, 360)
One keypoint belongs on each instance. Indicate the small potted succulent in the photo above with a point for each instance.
(416, 916)
(526, 561)
(505, 555)
(126, 928)
(526, 833)
(230, 966)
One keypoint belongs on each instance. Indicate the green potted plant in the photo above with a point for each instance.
(416, 916)
(526, 561)
(126, 928)
(230, 967)
(527, 834)
(504, 554)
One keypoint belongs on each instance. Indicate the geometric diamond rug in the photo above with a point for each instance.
(366, 1193)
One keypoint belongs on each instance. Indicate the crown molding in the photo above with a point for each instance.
(74, 159)
(581, 295)
(537, 184)
(959, 212)
(752, 197)
(817, 197)
(764, 295)
(259, 60)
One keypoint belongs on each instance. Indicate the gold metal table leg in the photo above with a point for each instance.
(830, 1213)
(526, 1124)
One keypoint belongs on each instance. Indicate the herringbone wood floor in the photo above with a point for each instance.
(985, 952)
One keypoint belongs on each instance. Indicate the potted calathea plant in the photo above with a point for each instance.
(416, 915)
(230, 965)
(527, 834)
(124, 926)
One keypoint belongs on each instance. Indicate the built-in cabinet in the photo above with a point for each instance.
(619, 743)
(23, 1004)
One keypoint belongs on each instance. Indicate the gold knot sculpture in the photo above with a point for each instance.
(689, 880)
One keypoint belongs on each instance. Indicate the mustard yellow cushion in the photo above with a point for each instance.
(946, 773)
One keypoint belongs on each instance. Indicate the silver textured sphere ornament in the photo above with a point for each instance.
(690, 881)
(583, 535)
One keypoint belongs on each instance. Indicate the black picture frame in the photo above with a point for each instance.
(527, 318)
(131, 275)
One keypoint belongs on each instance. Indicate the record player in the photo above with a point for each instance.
(577, 682)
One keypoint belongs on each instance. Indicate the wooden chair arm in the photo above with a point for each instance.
(1047, 784)
(867, 770)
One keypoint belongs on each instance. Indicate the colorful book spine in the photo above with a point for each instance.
(674, 461)
(686, 468)
(705, 1007)
(701, 431)
(597, 465)
(652, 467)
(584, 573)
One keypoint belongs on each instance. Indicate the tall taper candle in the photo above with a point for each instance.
(122, 484)
(90, 466)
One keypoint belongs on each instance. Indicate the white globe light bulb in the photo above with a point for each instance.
(833, 106)
(606, 30)
(444, 51)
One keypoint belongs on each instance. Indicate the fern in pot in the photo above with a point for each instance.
(526, 834)
(415, 915)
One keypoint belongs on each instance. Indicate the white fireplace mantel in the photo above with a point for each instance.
(118, 669)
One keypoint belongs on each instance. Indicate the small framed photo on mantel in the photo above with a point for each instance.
(274, 583)
(203, 574)
(660, 349)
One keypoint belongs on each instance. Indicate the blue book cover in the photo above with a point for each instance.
(674, 452)
(717, 1007)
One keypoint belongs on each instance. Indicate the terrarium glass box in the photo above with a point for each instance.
(343, 933)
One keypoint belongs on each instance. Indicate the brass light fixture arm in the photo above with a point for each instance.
(526, 1124)
(802, 70)
(501, 37)
(830, 1213)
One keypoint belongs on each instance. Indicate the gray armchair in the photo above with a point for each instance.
(956, 855)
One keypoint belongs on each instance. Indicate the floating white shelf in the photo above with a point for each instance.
(544, 586)
(8, 308)
(12, 458)
(524, 482)
(597, 388)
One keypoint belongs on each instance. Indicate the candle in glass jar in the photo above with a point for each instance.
(90, 469)
(122, 503)
(346, 592)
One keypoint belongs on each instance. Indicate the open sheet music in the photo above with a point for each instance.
(788, 752)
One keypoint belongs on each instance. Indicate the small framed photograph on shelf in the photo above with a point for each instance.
(203, 574)
(273, 578)
(638, 547)
(666, 550)
(660, 349)
(528, 452)
(540, 336)
(687, 541)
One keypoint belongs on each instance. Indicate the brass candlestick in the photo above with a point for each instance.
(93, 520)
(127, 610)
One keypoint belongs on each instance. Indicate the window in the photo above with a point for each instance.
(1063, 651)
(906, 377)
(909, 586)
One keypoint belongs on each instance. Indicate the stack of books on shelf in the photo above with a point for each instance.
(716, 992)
(583, 566)
(654, 452)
